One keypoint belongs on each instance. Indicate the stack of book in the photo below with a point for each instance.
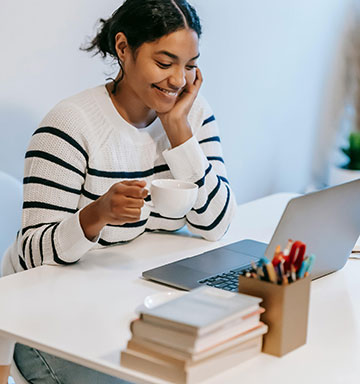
(195, 336)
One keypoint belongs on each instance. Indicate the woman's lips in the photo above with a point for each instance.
(165, 91)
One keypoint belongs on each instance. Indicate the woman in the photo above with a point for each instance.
(88, 164)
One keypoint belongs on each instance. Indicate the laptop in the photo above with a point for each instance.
(327, 221)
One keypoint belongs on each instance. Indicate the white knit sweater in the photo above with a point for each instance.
(84, 146)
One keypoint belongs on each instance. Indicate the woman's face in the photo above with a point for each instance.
(161, 69)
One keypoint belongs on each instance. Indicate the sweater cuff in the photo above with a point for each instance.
(72, 240)
(6, 350)
(186, 161)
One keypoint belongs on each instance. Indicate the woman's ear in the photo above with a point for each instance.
(121, 46)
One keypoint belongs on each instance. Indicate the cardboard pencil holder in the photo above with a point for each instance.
(286, 312)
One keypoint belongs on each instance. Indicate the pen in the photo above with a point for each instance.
(254, 266)
(276, 257)
(271, 272)
(278, 273)
(260, 273)
(293, 272)
(288, 247)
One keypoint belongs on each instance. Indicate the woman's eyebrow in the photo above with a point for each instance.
(173, 56)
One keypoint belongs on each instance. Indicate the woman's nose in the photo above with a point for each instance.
(178, 78)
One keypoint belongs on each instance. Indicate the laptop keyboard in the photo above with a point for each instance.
(229, 281)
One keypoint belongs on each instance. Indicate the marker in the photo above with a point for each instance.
(303, 268)
(310, 263)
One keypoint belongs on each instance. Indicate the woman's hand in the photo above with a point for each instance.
(121, 204)
(175, 121)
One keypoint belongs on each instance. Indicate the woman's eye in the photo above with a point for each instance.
(163, 65)
(190, 67)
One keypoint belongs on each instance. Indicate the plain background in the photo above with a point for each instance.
(274, 75)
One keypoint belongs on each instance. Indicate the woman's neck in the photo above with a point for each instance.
(129, 106)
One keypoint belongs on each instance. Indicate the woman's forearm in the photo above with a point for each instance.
(91, 221)
(178, 131)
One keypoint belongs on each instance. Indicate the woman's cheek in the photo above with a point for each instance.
(190, 77)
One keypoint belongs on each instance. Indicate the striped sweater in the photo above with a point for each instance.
(82, 147)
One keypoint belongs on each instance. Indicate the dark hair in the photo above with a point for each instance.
(143, 21)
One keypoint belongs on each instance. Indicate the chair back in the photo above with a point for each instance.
(10, 210)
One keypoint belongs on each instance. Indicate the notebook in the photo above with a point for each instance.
(328, 221)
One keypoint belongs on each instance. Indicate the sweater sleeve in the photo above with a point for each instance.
(200, 160)
(55, 166)
(6, 350)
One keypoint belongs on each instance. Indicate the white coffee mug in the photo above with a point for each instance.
(172, 198)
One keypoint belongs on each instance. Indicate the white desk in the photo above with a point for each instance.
(82, 312)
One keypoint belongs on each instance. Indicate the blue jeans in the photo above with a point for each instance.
(42, 368)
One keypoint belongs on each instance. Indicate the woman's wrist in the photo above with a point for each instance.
(178, 131)
(91, 220)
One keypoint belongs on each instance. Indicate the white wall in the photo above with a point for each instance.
(272, 75)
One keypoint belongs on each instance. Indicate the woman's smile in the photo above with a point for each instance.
(165, 92)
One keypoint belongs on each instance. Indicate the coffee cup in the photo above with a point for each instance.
(172, 198)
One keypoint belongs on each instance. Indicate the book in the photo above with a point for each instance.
(202, 310)
(190, 342)
(143, 345)
(188, 372)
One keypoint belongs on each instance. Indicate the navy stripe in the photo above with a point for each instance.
(224, 179)
(201, 182)
(162, 230)
(39, 204)
(24, 230)
(109, 243)
(129, 175)
(31, 253)
(218, 158)
(210, 197)
(49, 183)
(157, 215)
(208, 120)
(56, 257)
(218, 219)
(64, 136)
(130, 225)
(55, 160)
(41, 242)
(209, 139)
(89, 195)
(22, 263)
(24, 246)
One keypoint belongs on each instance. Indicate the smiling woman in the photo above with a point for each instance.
(88, 164)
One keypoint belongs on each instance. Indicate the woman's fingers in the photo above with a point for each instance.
(139, 183)
(131, 189)
(134, 203)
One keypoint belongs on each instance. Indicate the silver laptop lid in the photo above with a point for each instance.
(328, 221)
